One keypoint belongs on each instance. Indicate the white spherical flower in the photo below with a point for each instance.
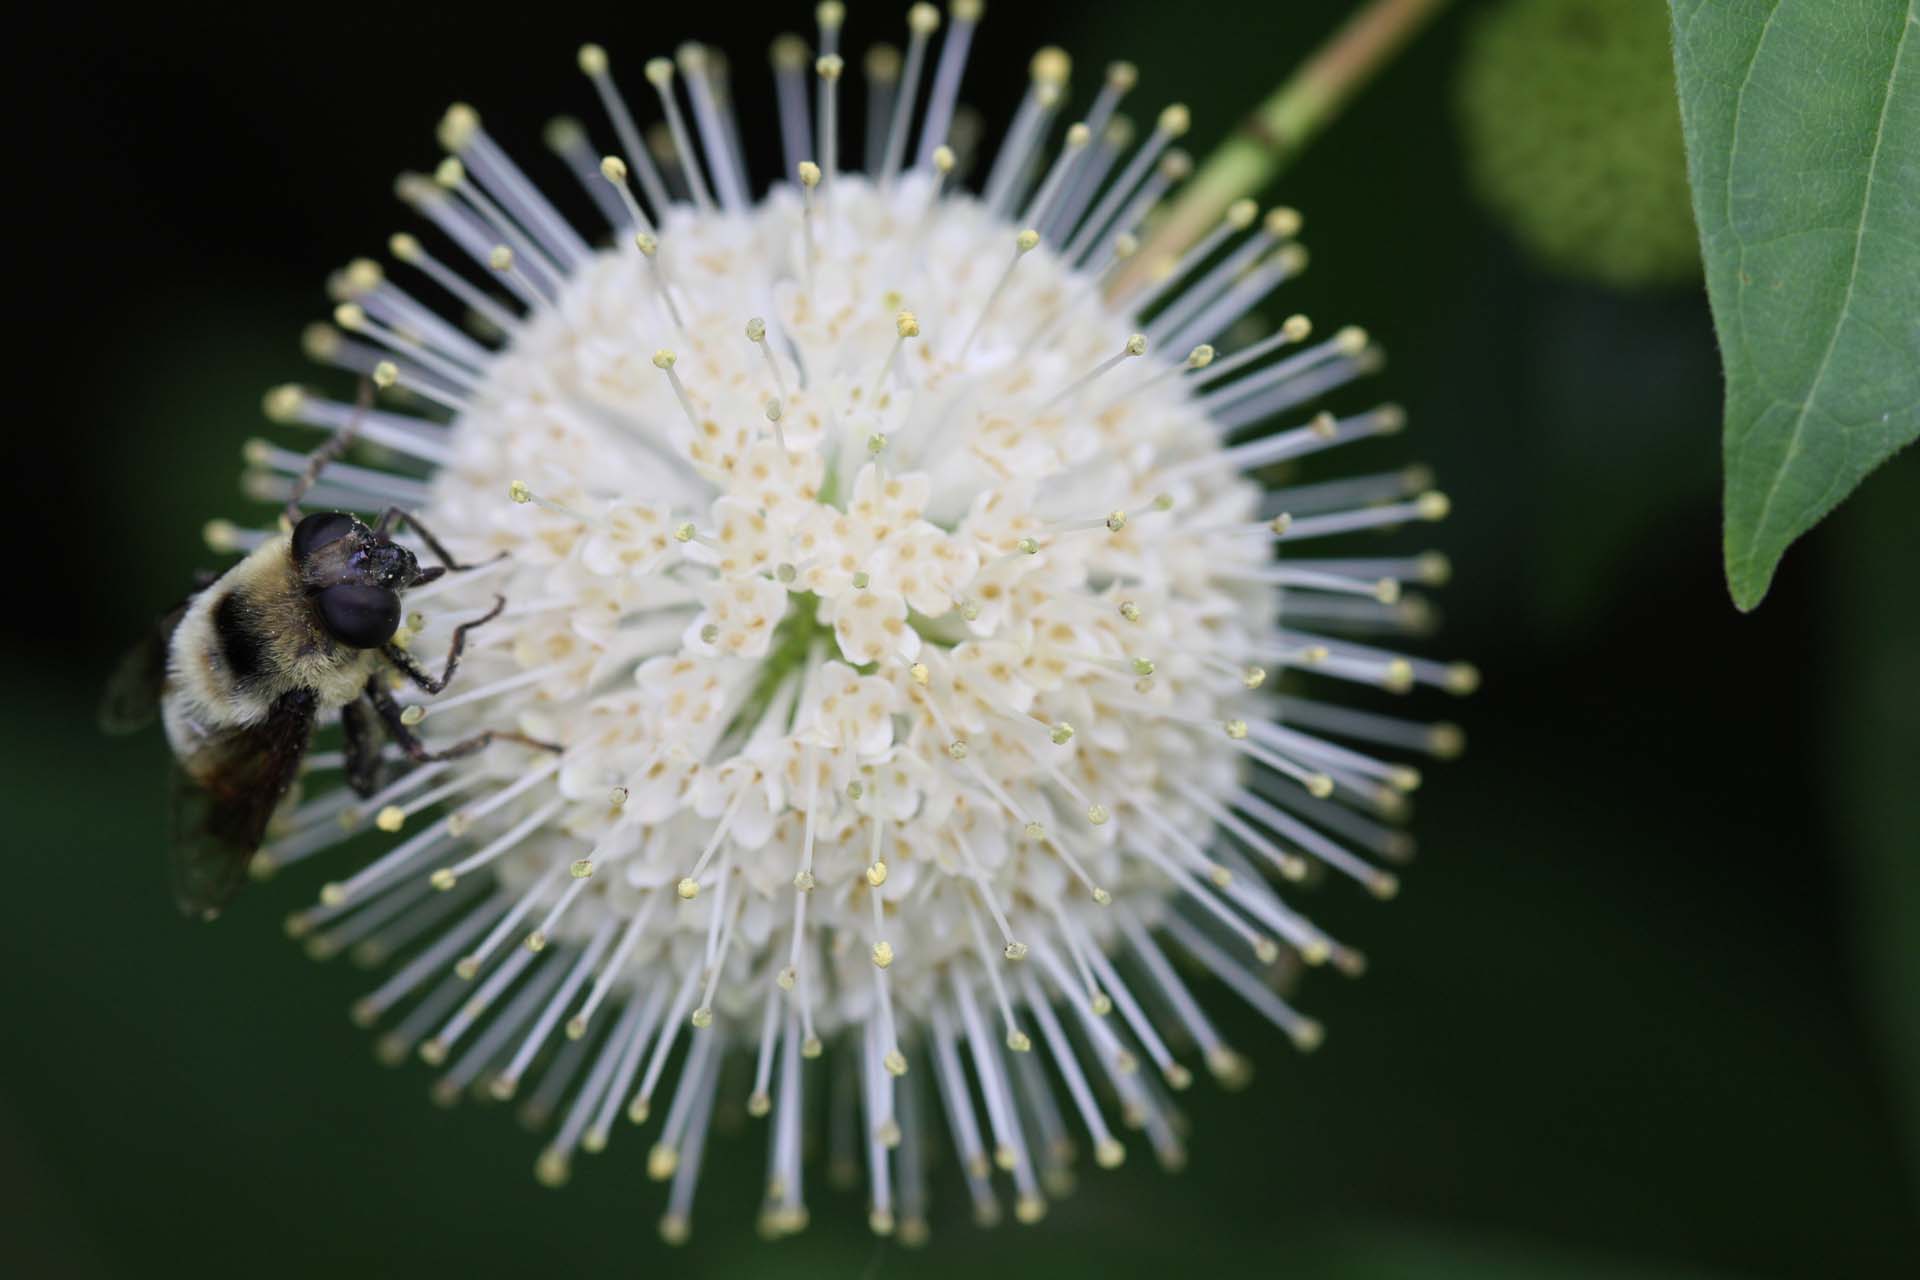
(884, 562)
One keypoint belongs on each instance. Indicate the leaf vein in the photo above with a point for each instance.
(1795, 439)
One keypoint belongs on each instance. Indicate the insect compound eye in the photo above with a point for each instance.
(317, 530)
(359, 616)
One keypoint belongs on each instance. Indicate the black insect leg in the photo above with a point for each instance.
(318, 460)
(362, 743)
(393, 516)
(417, 751)
(412, 670)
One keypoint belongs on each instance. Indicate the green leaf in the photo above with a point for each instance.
(1802, 120)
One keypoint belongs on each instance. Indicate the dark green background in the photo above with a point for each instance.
(1645, 1004)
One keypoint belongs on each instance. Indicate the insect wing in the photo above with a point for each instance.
(224, 797)
(133, 693)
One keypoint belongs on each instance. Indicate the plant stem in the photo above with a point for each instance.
(1279, 129)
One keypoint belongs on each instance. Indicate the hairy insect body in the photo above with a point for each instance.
(241, 671)
(246, 642)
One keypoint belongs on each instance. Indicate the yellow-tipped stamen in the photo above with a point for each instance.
(1023, 244)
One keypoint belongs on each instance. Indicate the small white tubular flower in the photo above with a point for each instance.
(915, 634)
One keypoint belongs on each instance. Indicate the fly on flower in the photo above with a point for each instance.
(934, 683)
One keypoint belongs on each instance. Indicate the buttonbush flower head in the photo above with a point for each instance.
(921, 644)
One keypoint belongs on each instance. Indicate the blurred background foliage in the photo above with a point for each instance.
(1571, 134)
(1646, 1003)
